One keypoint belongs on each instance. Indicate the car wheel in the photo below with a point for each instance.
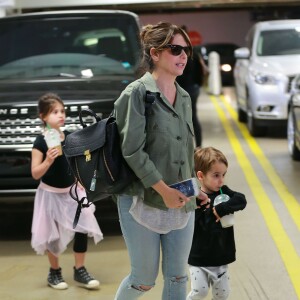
(253, 128)
(294, 151)
(242, 116)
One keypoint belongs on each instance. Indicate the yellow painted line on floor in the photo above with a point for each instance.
(288, 199)
(287, 251)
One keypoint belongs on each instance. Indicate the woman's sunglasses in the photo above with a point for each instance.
(177, 49)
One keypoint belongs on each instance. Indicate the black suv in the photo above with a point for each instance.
(86, 57)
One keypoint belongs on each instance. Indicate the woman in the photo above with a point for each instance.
(160, 152)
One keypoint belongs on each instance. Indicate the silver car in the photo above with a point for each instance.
(264, 71)
(293, 128)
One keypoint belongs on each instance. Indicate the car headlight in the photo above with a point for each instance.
(226, 68)
(264, 79)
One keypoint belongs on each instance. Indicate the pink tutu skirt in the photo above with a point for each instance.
(53, 215)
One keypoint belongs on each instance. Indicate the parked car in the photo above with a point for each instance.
(263, 73)
(293, 127)
(227, 59)
(87, 57)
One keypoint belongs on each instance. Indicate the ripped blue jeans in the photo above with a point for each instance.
(144, 250)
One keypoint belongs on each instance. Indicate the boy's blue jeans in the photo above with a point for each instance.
(144, 250)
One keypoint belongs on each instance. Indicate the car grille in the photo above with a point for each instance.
(20, 126)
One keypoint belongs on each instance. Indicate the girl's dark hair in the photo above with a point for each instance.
(206, 157)
(158, 36)
(46, 103)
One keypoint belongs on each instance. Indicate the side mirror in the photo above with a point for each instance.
(242, 53)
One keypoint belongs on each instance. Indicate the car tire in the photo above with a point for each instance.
(293, 150)
(242, 116)
(253, 128)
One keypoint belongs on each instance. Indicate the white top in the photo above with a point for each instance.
(157, 220)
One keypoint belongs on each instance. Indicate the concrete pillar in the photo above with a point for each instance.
(2, 12)
(214, 77)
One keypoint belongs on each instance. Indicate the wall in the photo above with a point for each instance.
(214, 26)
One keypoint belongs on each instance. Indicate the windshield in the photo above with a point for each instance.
(78, 46)
(279, 42)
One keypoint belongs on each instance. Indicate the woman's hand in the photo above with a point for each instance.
(171, 197)
(175, 199)
(204, 200)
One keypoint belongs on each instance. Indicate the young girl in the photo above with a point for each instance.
(156, 219)
(54, 209)
(213, 246)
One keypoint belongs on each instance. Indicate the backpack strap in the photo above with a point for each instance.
(83, 202)
(149, 100)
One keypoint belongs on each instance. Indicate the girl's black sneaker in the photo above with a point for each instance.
(83, 277)
(56, 280)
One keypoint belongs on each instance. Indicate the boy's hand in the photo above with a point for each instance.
(216, 215)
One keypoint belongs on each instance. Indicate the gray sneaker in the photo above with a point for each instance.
(83, 277)
(56, 280)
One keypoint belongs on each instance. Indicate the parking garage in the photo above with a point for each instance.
(266, 232)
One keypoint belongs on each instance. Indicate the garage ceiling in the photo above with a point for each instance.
(211, 4)
(153, 5)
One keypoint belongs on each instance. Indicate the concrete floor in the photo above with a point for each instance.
(267, 231)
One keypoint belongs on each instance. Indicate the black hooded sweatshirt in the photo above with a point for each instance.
(213, 245)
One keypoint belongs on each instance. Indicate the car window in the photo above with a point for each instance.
(71, 46)
(278, 42)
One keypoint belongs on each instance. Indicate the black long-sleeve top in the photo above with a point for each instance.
(58, 175)
(213, 245)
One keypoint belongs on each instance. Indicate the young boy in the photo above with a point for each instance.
(213, 246)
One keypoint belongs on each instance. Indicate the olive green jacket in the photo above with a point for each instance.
(162, 150)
